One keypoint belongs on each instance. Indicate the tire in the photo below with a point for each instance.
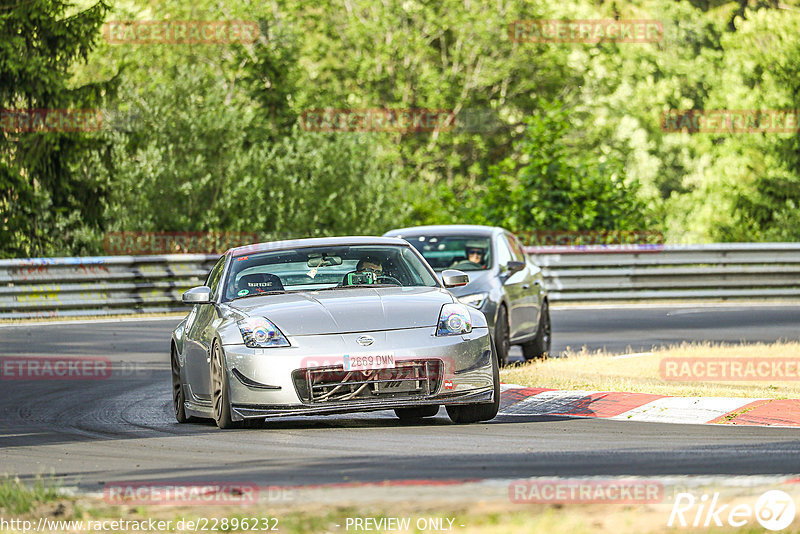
(539, 347)
(501, 336)
(415, 414)
(178, 394)
(220, 397)
(473, 413)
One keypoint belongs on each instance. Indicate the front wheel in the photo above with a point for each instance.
(473, 413)
(539, 347)
(219, 387)
(178, 395)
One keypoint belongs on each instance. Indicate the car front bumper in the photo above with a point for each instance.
(264, 382)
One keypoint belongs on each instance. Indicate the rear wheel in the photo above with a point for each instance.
(219, 388)
(501, 333)
(472, 413)
(539, 347)
(415, 414)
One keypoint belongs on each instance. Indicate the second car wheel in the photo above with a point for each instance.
(220, 397)
(501, 333)
(539, 347)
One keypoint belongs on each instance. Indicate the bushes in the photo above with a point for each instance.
(549, 183)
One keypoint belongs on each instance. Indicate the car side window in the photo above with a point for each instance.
(516, 248)
(503, 252)
(215, 275)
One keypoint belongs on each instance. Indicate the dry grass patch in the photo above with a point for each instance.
(599, 371)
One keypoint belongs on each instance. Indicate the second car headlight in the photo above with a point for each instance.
(454, 319)
(475, 300)
(259, 332)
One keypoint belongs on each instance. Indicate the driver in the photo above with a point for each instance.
(476, 253)
(369, 264)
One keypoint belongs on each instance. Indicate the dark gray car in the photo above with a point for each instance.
(503, 282)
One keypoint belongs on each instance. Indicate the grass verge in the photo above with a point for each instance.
(599, 371)
(495, 514)
(19, 498)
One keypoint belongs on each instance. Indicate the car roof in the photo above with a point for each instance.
(314, 242)
(446, 229)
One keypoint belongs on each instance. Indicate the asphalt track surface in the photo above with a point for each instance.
(88, 433)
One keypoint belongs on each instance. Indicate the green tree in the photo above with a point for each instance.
(185, 158)
(47, 199)
(551, 183)
(447, 55)
(749, 188)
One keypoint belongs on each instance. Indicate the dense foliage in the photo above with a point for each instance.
(46, 188)
(549, 136)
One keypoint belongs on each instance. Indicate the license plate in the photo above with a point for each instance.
(362, 362)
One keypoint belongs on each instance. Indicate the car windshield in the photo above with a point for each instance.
(466, 253)
(326, 267)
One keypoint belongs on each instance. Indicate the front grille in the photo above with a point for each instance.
(410, 378)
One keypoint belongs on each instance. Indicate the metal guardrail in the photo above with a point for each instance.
(105, 285)
(654, 272)
(50, 287)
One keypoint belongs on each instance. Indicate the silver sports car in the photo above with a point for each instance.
(332, 325)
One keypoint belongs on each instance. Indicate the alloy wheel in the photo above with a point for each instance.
(177, 386)
(216, 382)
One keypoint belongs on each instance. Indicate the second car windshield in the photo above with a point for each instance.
(454, 252)
(333, 267)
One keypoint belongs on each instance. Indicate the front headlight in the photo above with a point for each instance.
(259, 332)
(475, 300)
(454, 319)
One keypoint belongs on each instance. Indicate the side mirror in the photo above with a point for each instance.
(197, 295)
(454, 278)
(514, 266)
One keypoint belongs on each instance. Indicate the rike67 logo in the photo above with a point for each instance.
(774, 510)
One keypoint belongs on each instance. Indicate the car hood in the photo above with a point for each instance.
(348, 310)
(477, 283)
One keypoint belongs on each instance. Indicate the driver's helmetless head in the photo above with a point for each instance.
(475, 252)
(369, 264)
(475, 255)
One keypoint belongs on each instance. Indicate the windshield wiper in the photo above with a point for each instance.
(358, 286)
(277, 292)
